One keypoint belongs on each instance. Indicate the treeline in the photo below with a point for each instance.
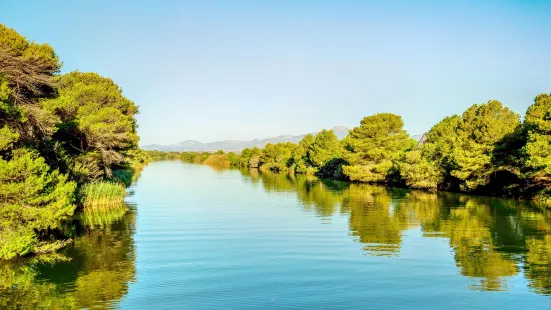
(487, 150)
(63, 138)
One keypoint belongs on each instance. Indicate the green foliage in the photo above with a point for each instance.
(372, 148)
(249, 158)
(300, 158)
(440, 142)
(233, 158)
(7, 138)
(55, 132)
(482, 128)
(26, 70)
(276, 157)
(32, 199)
(418, 172)
(326, 146)
(538, 126)
(97, 122)
(195, 157)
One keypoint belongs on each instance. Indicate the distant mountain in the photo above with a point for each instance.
(233, 145)
(419, 138)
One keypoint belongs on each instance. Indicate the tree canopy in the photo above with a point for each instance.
(325, 147)
(96, 121)
(372, 148)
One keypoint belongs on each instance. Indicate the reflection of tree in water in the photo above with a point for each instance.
(20, 288)
(466, 222)
(324, 197)
(279, 182)
(469, 232)
(251, 176)
(491, 238)
(109, 262)
(538, 264)
(372, 218)
(94, 270)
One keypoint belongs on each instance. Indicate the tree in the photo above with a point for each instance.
(482, 128)
(440, 142)
(428, 166)
(249, 158)
(418, 172)
(537, 149)
(537, 124)
(301, 159)
(32, 199)
(325, 147)
(97, 122)
(277, 156)
(371, 148)
(26, 71)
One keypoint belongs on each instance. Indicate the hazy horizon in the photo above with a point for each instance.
(215, 70)
(256, 138)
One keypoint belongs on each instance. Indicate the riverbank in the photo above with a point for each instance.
(485, 151)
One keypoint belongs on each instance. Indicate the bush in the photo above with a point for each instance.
(33, 199)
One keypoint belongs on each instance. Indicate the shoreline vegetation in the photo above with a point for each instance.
(68, 143)
(486, 151)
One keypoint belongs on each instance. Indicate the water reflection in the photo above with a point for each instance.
(94, 270)
(492, 239)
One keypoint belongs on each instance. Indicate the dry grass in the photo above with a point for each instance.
(219, 160)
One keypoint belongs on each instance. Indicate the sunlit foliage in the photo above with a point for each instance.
(372, 148)
(56, 132)
(32, 199)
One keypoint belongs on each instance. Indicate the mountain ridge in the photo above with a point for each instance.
(234, 145)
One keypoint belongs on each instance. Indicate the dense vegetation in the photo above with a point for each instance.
(64, 139)
(70, 140)
(486, 150)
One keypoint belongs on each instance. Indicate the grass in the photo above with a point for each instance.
(103, 194)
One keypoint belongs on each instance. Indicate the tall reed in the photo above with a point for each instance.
(101, 194)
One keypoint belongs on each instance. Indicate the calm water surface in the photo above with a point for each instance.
(193, 237)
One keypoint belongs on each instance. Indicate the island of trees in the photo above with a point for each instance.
(487, 150)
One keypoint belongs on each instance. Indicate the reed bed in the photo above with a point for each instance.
(102, 195)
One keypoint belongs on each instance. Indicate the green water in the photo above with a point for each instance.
(194, 237)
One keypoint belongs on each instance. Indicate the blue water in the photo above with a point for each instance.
(208, 239)
(195, 237)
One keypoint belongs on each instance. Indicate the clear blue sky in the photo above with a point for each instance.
(213, 70)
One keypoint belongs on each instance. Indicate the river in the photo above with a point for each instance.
(197, 237)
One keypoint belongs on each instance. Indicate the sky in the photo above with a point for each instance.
(216, 70)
